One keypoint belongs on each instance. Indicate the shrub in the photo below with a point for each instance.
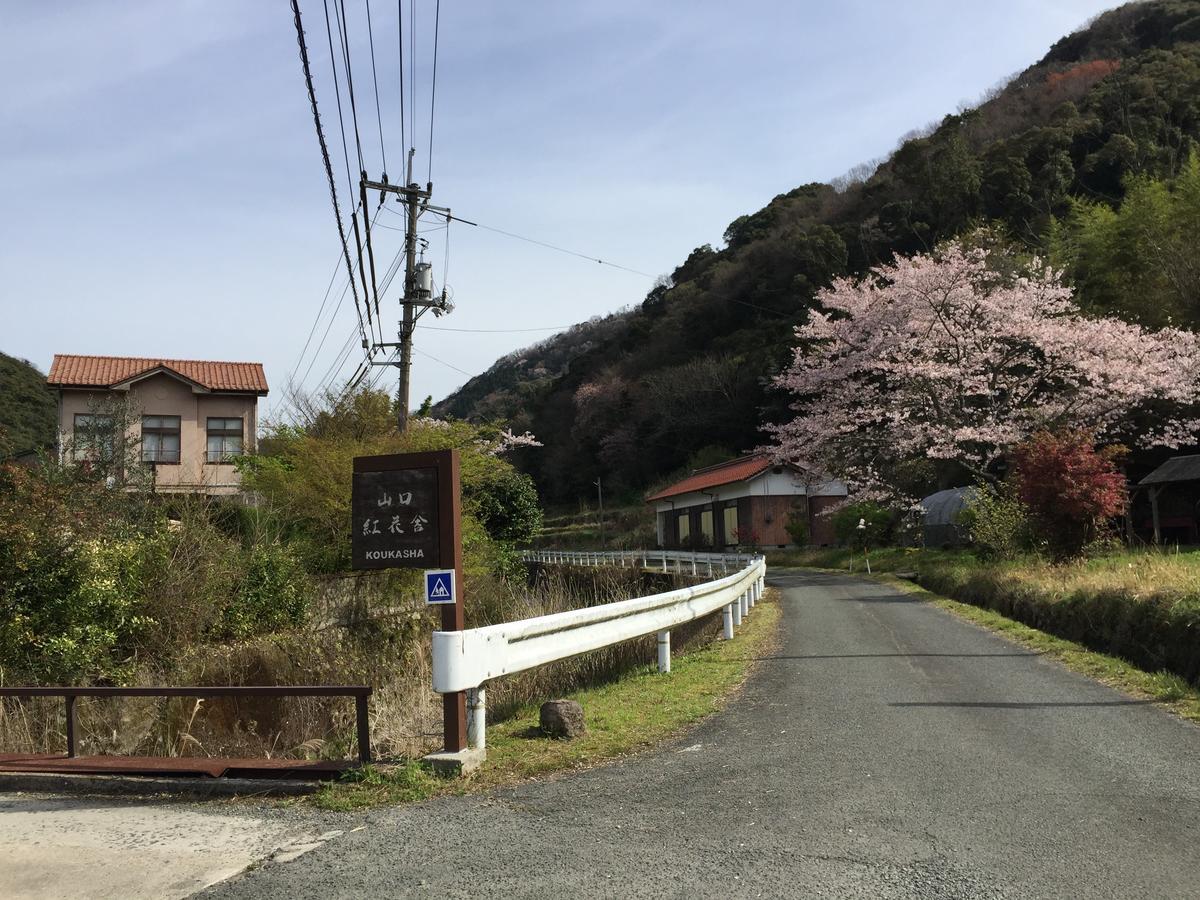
(879, 520)
(797, 525)
(997, 522)
(70, 577)
(506, 503)
(1069, 488)
(273, 594)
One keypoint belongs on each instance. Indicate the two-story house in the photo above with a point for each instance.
(190, 418)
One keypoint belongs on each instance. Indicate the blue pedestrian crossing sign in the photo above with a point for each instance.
(439, 586)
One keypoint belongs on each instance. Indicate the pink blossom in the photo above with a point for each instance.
(937, 357)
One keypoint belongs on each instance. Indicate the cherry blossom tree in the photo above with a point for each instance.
(938, 357)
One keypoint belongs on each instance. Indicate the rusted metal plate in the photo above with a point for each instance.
(175, 766)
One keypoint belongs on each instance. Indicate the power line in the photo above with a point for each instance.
(344, 38)
(452, 218)
(312, 99)
(444, 363)
(338, 364)
(400, 46)
(437, 17)
(349, 180)
(412, 71)
(317, 321)
(495, 330)
(321, 311)
(375, 81)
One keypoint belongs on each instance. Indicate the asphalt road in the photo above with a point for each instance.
(886, 749)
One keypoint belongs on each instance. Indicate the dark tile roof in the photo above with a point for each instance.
(1177, 468)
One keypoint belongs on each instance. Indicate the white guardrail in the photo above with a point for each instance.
(467, 660)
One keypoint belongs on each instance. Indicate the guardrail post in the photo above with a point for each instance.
(737, 611)
(477, 718)
(664, 562)
(727, 619)
(744, 602)
(664, 651)
(70, 698)
(694, 571)
(364, 728)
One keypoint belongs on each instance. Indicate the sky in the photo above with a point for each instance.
(162, 192)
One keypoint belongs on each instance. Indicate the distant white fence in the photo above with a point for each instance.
(467, 660)
(680, 562)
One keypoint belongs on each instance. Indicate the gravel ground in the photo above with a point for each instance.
(55, 846)
(886, 749)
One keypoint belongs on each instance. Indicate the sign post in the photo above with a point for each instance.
(407, 514)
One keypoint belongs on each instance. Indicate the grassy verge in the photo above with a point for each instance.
(1163, 687)
(633, 713)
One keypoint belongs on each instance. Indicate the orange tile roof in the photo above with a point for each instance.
(68, 370)
(726, 473)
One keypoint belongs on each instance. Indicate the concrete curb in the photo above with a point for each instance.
(145, 787)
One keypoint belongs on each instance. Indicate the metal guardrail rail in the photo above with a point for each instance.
(467, 660)
(679, 562)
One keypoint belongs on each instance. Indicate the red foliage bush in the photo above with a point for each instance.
(1069, 487)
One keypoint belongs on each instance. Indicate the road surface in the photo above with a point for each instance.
(886, 749)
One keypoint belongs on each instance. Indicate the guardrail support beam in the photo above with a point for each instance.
(477, 718)
(664, 652)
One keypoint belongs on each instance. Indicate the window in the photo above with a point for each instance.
(730, 524)
(160, 439)
(93, 438)
(706, 526)
(685, 527)
(224, 440)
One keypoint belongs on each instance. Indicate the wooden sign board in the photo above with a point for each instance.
(407, 514)
(405, 511)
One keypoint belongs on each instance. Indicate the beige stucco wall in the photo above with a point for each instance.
(162, 395)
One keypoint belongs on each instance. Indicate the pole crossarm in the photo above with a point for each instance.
(387, 188)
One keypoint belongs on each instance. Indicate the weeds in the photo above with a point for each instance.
(376, 785)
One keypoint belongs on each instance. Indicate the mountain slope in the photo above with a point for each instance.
(635, 395)
(27, 410)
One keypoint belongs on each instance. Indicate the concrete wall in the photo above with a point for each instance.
(162, 395)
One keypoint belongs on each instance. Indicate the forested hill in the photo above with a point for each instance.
(1085, 157)
(26, 407)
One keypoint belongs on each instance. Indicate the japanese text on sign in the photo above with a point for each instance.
(394, 519)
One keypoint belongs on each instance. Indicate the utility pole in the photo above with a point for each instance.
(416, 296)
(406, 325)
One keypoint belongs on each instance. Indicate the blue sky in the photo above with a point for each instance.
(162, 192)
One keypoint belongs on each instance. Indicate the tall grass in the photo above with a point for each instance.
(362, 629)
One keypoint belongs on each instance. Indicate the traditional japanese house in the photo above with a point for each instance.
(749, 502)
